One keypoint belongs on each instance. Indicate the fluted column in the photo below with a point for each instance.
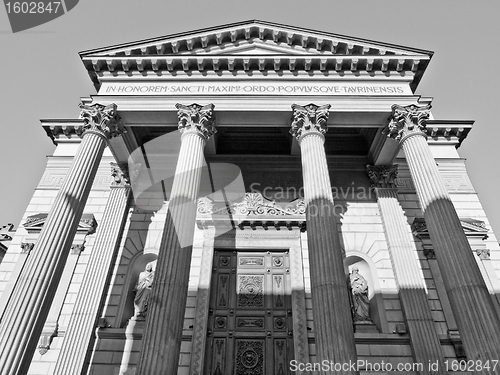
(32, 297)
(333, 325)
(80, 332)
(477, 321)
(162, 336)
(409, 277)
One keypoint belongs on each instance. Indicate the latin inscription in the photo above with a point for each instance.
(261, 88)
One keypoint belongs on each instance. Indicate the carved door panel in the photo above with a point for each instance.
(250, 320)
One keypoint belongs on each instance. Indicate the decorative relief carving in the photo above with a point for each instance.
(251, 261)
(250, 291)
(26, 247)
(77, 249)
(220, 322)
(429, 253)
(383, 176)
(483, 253)
(250, 322)
(407, 120)
(224, 261)
(198, 118)
(252, 204)
(250, 357)
(100, 119)
(404, 184)
(278, 261)
(222, 292)
(309, 119)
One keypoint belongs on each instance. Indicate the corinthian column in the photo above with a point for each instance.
(80, 331)
(32, 297)
(333, 326)
(477, 321)
(409, 277)
(162, 336)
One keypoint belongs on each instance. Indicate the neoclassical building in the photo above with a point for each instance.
(249, 199)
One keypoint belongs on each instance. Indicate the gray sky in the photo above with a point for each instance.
(42, 75)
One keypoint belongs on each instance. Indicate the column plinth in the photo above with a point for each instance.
(80, 331)
(32, 297)
(477, 321)
(333, 325)
(162, 335)
(424, 340)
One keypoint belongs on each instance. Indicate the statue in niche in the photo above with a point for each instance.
(143, 290)
(359, 296)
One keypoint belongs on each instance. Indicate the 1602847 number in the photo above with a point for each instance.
(32, 7)
(471, 365)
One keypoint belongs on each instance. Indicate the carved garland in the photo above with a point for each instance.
(252, 204)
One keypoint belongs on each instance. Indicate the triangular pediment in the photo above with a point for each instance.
(35, 223)
(471, 227)
(256, 46)
(294, 39)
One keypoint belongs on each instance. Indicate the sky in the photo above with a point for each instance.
(42, 76)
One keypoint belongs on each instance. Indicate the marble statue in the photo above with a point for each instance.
(143, 290)
(359, 296)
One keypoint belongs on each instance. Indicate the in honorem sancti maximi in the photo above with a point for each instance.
(253, 199)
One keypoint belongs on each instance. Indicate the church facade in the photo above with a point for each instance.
(251, 199)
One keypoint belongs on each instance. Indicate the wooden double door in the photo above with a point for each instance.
(250, 316)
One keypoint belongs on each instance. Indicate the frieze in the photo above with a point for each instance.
(253, 204)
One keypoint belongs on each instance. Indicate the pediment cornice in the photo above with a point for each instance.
(34, 223)
(255, 45)
(471, 227)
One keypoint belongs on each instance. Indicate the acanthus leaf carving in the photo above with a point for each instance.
(383, 176)
(407, 120)
(100, 119)
(197, 118)
(309, 119)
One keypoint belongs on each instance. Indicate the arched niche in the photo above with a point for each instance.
(136, 266)
(368, 270)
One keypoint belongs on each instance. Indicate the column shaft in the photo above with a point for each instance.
(333, 327)
(80, 332)
(410, 280)
(32, 297)
(162, 336)
(478, 323)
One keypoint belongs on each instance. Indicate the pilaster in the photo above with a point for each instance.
(33, 294)
(334, 335)
(80, 332)
(409, 277)
(476, 317)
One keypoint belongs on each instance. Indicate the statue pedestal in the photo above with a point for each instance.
(365, 327)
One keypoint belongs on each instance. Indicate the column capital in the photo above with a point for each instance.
(99, 119)
(407, 121)
(119, 172)
(196, 118)
(383, 176)
(309, 119)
